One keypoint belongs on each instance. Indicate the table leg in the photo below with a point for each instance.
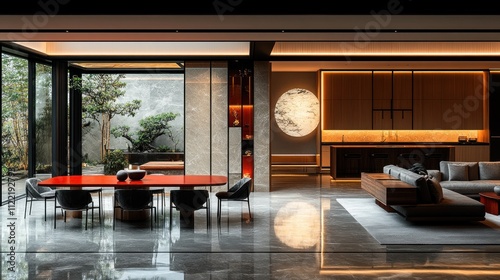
(491, 205)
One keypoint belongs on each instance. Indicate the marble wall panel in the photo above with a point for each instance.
(219, 131)
(235, 151)
(211, 146)
(197, 112)
(262, 143)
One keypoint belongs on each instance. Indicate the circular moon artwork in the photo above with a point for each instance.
(297, 112)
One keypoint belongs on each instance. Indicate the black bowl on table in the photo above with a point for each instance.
(136, 174)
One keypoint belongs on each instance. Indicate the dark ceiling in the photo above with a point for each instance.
(246, 7)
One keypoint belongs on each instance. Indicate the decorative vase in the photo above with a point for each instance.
(496, 189)
(121, 175)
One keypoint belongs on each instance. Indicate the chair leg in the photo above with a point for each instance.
(114, 211)
(101, 213)
(45, 209)
(158, 200)
(31, 205)
(208, 213)
(87, 217)
(170, 220)
(153, 216)
(249, 213)
(55, 211)
(92, 216)
(163, 204)
(26, 206)
(218, 209)
(99, 197)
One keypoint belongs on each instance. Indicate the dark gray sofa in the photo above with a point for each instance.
(470, 180)
(452, 206)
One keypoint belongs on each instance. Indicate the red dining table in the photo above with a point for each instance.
(182, 181)
(105, 181)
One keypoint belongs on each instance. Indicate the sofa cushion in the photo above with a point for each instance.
(473, 169)
(470, 188)
(387, 168)
(489, 170)
(435, 190)
(423, 192)
(395, 171)
(436, 174)
(411, 178)
(420, 182)
(458, 172)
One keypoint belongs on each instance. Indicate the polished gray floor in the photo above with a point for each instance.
(297, 231)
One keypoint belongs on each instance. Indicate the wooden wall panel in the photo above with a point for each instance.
(472, 153)
(403, 90)
(459, 95)
(382, 87)
(347, 98)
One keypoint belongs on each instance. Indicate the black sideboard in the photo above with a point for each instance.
(349, 161)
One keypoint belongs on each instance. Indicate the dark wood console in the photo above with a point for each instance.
(350, 161)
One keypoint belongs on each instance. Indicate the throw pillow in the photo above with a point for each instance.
(473, 169)
(435, 190)
(458, 172)
(489, 170)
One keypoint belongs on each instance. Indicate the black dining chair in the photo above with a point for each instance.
(98, 191)
(74, 200)
(240, 191)
(159, 193)
(133, 200)
(34, 192)
(189, 201)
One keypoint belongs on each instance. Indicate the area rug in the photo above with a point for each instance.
(392, 229)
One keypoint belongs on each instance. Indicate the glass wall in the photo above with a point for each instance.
(142, 115)
(43, 119)
(14, 114)
(137, 113)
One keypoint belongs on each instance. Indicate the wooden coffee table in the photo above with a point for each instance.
(491, 202)
(388, 190)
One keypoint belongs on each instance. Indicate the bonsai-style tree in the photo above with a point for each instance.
(152, 127)
(99, 95)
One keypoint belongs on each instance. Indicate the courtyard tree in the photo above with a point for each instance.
(152, 127)
(100, 93)
(14, 112)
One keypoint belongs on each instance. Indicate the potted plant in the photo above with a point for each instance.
(113, 161)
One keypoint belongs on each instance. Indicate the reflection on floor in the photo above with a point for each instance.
(298, 231)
